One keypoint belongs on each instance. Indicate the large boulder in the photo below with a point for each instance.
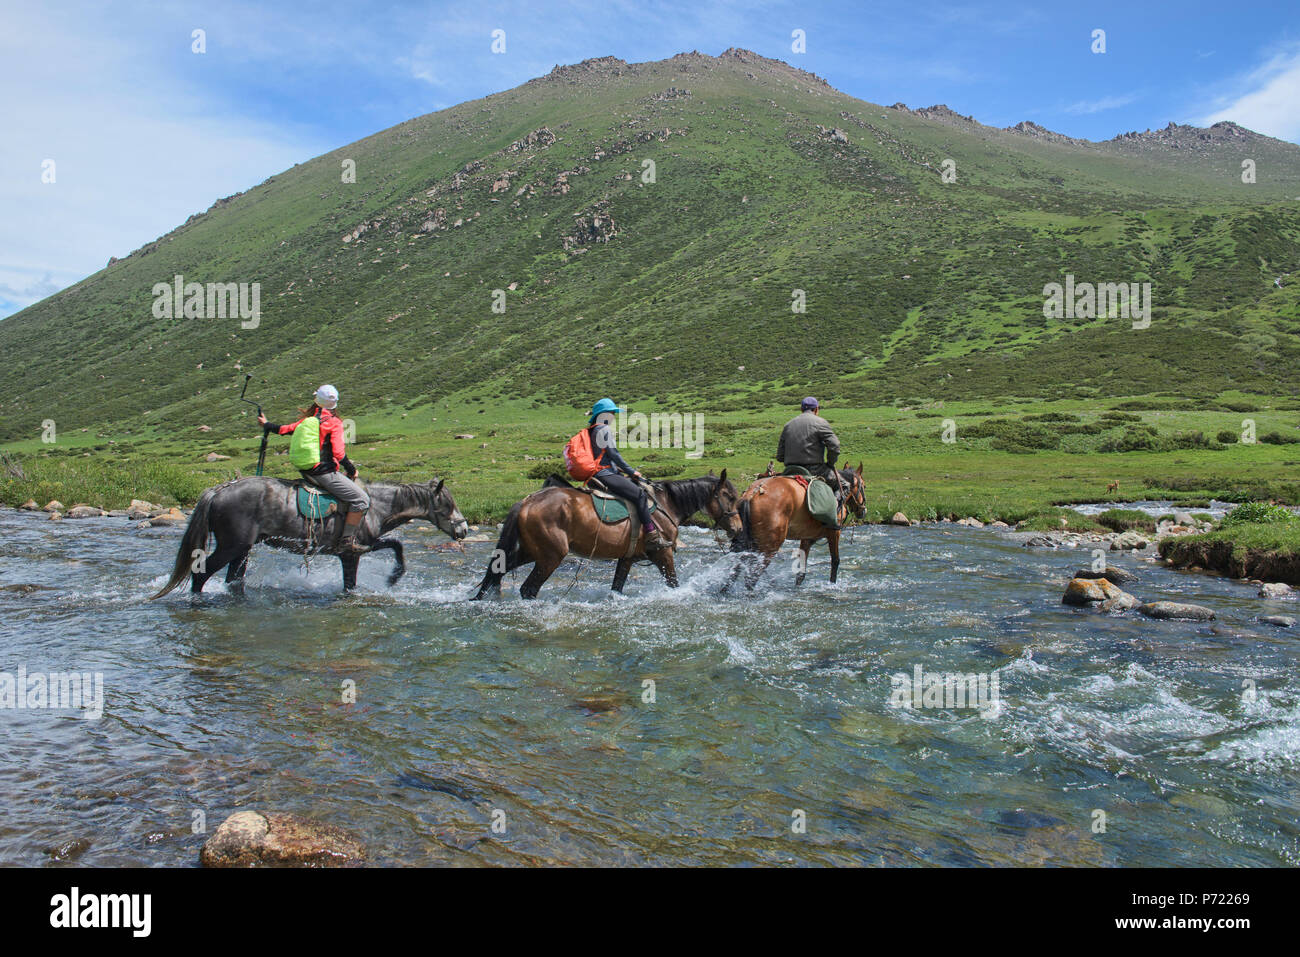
(254, 839)
(1106, 595)
(84, 511)
(1112, 573)
(1176, 610)
(53, 505)
(30, 506)
(1127, 541)
(899, 519)
(1275, 590)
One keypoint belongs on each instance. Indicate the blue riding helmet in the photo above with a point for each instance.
(604, 405)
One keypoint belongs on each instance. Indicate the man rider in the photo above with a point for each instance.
(804, 439)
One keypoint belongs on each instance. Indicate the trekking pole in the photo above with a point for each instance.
(261, 454)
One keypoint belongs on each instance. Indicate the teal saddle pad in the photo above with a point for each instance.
(613, 510)
(313, 503)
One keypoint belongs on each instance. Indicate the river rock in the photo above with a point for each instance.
(253, 839)
(53, 505)
(84, 511)
(1275, 590)
(1184, 518)
(56, 516)
(29, 505)
(899, 519)
(1128, 541)
(971, 522)
(1106, 595)
(1281, 621)
(1114, 574)
(1041, 541)
(1176, 610)
(170, 517)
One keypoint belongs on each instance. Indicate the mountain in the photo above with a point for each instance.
(767, 184)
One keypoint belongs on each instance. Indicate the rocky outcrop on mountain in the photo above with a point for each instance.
(672, 93)
(1183, 137)
(593, 68)
(1038, 132)
(940, 111)
(592, 226)
(537, 139)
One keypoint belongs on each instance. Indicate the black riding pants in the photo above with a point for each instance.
(624, 487)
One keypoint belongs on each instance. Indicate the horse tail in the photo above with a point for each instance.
(507, 556)
(196, 536)
(744, 542)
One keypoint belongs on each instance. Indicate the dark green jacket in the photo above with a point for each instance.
(805, 439)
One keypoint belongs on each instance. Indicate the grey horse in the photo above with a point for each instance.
(243, 512)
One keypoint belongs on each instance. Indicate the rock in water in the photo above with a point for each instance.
(1130, 540)
(85, 511)
(1275, 590)
(1118, 576)
(1281, 621)
(1103, 593)
(899, 519)
(1175, 610)
(253, 839)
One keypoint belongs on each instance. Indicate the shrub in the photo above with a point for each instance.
(1259, 513)
(1227, 436)
(1277, 438)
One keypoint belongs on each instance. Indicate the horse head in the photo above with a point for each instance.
(443, 511)
(856, 500)
(723, 506)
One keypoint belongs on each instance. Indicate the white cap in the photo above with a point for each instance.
(327, 397)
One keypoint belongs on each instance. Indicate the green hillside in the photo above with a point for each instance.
(677, 292)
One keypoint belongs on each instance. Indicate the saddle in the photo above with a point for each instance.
(613, 509)
(821, 500)
(313, 503)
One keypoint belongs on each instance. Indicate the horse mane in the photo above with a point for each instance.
(688, 495)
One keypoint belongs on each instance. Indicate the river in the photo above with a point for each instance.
(659, 727)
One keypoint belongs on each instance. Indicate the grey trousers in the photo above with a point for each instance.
(342, 488)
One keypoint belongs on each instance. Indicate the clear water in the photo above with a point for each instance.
(765, 705)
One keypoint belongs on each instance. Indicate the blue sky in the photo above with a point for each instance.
(144, 132)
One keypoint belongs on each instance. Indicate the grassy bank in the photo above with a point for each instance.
(1010, 460)
(1255, 541)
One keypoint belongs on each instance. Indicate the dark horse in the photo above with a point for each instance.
(559, 520)
(246, 511)
(772, 512)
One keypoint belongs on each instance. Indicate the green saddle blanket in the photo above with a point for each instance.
(613, 510)
(315, 504)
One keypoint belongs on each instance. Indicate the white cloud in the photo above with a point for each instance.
(1267, 100)
(1087, 107)
(136, 152)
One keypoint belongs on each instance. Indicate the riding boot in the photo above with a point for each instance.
(348, 543)
(654, 542)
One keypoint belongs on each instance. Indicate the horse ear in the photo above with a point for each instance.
(436, 488)
(721, 478)
(859, 468)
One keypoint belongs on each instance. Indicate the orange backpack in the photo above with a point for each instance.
(579, 458)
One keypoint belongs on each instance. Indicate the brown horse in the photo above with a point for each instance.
(772, 512)
(559, 520)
